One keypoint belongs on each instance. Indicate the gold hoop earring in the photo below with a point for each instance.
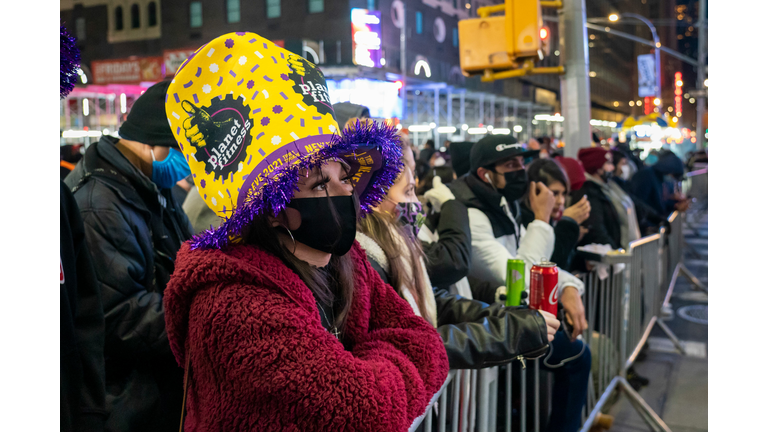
(292, 239)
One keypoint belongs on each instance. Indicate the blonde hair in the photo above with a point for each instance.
(363, 122)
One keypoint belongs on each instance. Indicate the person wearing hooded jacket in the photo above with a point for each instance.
(133, 228)
(497, 180)
(648, 184)
(647, 217)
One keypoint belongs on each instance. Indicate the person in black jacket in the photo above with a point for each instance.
(567, 222)
(133, 228)
(81, 362)
(649, 184)
(603, 222)
(647, 216)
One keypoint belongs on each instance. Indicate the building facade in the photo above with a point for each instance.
(128, 44)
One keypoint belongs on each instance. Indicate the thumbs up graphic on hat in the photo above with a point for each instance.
(199, 126)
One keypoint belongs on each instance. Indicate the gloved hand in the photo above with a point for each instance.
(439, 194)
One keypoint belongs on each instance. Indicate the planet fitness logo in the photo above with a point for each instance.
(219, 133)
(310, 83)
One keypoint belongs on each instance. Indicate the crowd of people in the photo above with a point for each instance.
(333, 292)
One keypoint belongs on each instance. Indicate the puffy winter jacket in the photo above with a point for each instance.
(133, 232)
(81, 360)
(603, 222)
(491, 253)
(261, 360)
(448, 259)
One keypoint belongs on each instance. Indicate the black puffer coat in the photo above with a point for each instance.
(81, 353)
(133, 232)
(448, 258)
(603, 223)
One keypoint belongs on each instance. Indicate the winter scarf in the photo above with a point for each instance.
(376, 253)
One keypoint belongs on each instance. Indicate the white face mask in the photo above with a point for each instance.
(624, 173)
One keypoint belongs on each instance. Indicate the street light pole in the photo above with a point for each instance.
(574, 85)
(657, 48)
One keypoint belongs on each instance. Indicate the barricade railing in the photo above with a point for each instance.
(623, 299)
(474, 401)
(695, 186)
(676, 240)
(622, 303)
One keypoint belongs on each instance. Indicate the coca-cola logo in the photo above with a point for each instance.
(553, 296)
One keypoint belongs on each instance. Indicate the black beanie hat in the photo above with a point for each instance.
(147, 122)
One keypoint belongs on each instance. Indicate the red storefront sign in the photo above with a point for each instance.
(127, 71)
(172, 59)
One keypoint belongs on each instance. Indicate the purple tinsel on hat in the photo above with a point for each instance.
(278, 191)
(69, 63)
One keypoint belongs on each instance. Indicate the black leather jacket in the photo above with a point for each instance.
(477, 335)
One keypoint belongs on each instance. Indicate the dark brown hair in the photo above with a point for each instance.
(546, 171)
(261, 233)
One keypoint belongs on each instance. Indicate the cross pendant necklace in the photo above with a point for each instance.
(335, 332)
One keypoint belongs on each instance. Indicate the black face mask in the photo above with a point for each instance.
(517, 183)
(606, 176)
(319, 229)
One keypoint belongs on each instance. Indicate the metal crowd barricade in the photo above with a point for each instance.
(474, 404)
(676, 266)
(695, 186)
(623, 305)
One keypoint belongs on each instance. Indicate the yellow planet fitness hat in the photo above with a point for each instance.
(249, 115)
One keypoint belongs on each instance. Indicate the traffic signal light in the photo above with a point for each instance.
(501, 42)
(545, 40)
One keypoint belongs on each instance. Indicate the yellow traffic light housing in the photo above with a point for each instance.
(502, 43)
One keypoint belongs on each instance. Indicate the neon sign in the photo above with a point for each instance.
(678, 94)
(366, 37)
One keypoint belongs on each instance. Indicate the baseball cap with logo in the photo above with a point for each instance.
(250, 116)
(495, 148)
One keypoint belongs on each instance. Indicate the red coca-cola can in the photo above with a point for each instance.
(543, 289)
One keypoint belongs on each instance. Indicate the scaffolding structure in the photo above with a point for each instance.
(442, 106)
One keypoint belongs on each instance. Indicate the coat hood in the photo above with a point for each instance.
(669, 163)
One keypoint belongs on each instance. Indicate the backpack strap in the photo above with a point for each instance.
(93, 165)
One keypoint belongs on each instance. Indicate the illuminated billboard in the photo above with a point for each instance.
(380, 97)
(366, 38)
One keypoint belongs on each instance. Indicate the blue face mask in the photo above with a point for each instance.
(169, 171)
(651, 159)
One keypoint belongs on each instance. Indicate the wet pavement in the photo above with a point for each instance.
(678, 387)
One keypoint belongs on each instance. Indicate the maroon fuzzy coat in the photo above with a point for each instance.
(262, 361)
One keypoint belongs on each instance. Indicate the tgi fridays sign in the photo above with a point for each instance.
(127, 71)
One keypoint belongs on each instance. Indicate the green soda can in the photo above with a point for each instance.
(515, 281)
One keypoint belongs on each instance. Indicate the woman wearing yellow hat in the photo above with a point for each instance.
(276, 315)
